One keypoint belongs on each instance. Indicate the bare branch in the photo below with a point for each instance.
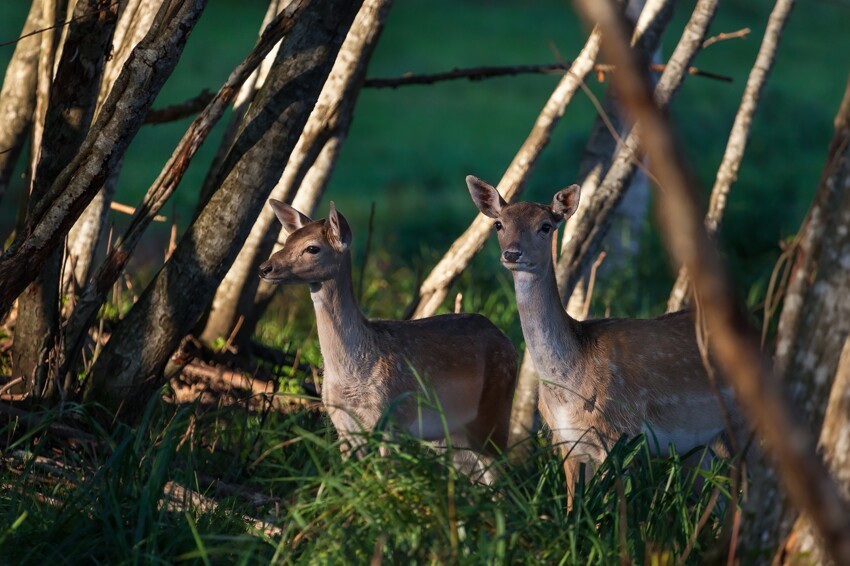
(481, 73)
(734, 342)
(179, 111)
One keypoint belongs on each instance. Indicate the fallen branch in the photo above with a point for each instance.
(481, 73)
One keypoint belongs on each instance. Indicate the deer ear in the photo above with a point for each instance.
(486, 198)
(290, 218)
(565, 202)
(338, 231)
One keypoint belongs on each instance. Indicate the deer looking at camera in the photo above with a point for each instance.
(374, 367)
(600, 379)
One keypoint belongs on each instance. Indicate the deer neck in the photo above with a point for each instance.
(551, 335)
(342, 328)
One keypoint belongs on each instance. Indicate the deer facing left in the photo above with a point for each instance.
(372, 367)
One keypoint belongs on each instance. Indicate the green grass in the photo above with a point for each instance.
(409, 506)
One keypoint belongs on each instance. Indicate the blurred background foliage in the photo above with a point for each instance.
(410, 148)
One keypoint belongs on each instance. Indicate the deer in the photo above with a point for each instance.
(606, 378)
(461, 364)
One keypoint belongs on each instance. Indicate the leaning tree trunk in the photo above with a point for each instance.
(131, 363)
(733, 342)
(17, 97)
(134, 22)
(240, 105)
(813, 326)
(233, 304)
(120, 119)
(738, 138)
(96, 291)
(804, 546)
(69, 112)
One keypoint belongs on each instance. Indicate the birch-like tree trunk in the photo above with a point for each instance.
(738, 138)
(131, 363)
(120, 119)
(17, 97)
(68, 114)
(813, 326)
(235, 296)
(435, 288)
(134, 22)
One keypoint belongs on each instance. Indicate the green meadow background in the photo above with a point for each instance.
(410, 148)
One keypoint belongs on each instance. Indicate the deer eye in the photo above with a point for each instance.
(498, 225)
(546, 228)
(312, 250)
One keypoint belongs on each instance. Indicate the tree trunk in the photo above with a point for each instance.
(17, 97)
(240, 105)
(738, 138)
(804, 546)
(69, 112)
(813, 326)
(134, 22)
(130, 365)
(121, 117)
(435, 288)
(234, 299)
(162, 188)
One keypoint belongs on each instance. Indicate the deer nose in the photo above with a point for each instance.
(512, 256)
(265, 268)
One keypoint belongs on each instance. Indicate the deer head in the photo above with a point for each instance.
(314, 251)
(524, 229)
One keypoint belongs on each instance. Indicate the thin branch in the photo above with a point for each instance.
(179, 111)
(480, 73)
(61, 24)
(741, 33)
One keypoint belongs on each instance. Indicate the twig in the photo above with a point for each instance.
(60, 24)
(703, 519)
(481, 73)
(179, 111)
(127, 209)
(591, 283)
(741, 33)
(366, 251)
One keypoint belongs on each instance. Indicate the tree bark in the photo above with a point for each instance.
(17, 97)
(592, 225)
(163, 187)
(132, 361)
(121, 117)
(240, 105)
(804, 546)
(67, 119)
(331, 116)
(134, 22)
(738, 138)
(732, 341)
(435, 288)
(813, 326)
